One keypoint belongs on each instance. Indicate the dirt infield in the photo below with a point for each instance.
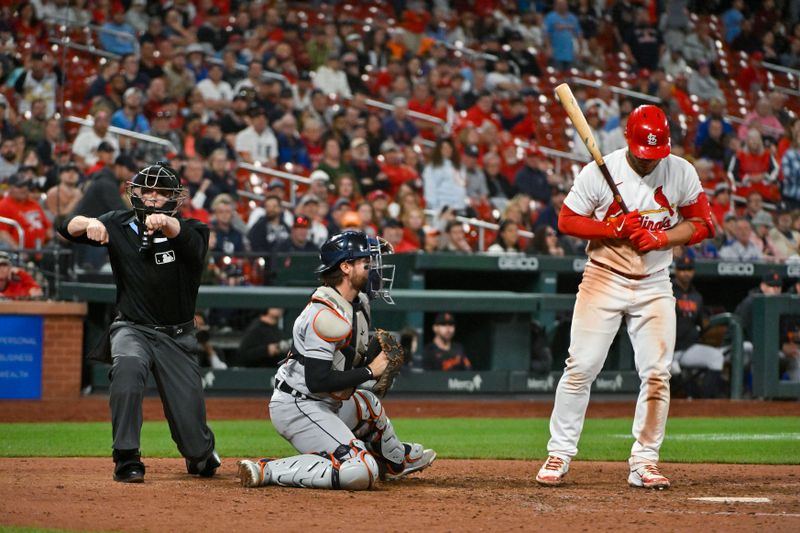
(95, 408)
(78, 494)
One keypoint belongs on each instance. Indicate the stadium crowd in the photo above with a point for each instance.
(289, 121)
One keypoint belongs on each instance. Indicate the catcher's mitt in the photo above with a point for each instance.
(385, 341)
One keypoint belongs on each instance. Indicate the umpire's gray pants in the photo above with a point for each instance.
(136, 351)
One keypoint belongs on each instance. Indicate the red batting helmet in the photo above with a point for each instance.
(648, 133)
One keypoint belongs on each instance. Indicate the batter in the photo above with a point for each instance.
(627, 277)
(342, 431)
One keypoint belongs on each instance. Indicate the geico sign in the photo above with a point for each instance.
(735, 269)
(518, 263)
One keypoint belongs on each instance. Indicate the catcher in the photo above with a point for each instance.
(342, 431)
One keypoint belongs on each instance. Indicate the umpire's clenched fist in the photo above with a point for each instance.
(96, 231)
(163, 223)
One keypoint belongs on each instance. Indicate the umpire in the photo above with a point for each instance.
(157, 260)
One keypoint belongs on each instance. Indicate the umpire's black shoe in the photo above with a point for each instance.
(206, 468)
(131, 473)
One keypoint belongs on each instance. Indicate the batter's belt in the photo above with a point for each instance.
(621, 273)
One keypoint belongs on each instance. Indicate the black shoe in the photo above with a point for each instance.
(210, 466)
(132, 473)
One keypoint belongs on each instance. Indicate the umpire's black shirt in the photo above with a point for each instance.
(158, 286)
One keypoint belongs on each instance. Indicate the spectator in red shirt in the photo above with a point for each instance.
(721, 205)
(393, 233)
(16, 283)
(754, 169)
(18, 206)
(396, 171)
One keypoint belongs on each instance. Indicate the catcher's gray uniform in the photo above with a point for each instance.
(341, 433)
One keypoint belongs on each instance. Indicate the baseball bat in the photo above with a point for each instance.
(567, 99)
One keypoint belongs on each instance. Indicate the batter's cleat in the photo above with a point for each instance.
(417, 460)
(647, 476)
(132, 473)
(552, 471)
(252, 473)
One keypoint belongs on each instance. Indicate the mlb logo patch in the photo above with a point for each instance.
(162, 258)
(651, 139)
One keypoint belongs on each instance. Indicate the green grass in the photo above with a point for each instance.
(766, 440)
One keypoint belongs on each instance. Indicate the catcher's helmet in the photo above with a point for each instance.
(352, 245)
(159, 177)
(647, 133)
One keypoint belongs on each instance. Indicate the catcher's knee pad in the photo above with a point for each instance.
(358, 471)
(376, 428)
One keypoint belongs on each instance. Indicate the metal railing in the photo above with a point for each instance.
(617, 90)
(91, 49)
(294, 179)
(126, 133)
(20, 232)
(482, 226)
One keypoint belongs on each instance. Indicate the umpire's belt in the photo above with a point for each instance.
(173, 331)
(619, 272)
(284, 387)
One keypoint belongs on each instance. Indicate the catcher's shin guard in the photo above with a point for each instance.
(350, 468)
(377, 431)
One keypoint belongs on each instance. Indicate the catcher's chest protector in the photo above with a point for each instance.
(350, 349)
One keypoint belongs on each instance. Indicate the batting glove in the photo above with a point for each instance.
(646, 240)
(624, 225)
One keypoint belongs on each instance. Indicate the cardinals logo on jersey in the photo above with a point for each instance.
(662, 200)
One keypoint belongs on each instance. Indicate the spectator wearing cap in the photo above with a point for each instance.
(351, 220)
(771, 285)
(212, 31)
(334, 217)
(160, 127)
(269, 229)
(18, 205)
(227, 239)
(257, 142)
(502, 80)
(331, 79)
(721, 204)
(234, 119)
(39, 80)
(477, 188)
(301, 91)
(443, 353)
(762, 225)
(397, 172)
(137, 16)
(547, 215)
(392, 232)
(180, 79)
(443, 179)
(332, 162)
(690, 351)
(110, 36)
(62, 198)
(742, 248)
(85, 145)
(531, 179)
(309, 207)
(379, 201)
(716, 111)
(130, 116)
(785, 240)
(397, 126)
(62, 156)
(564, 35)
(320, 187)
(32, 128)
(352, 71)
(103, 191)
(366, 171)
(521, 55)
(149, 62)
(754, 169)
(291, 148)
(16, 283)
(105, 158)
(212, 139)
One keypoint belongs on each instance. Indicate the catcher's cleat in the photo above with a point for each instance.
(417, 460)
(552, 471)
(647, 476)
(251, 473)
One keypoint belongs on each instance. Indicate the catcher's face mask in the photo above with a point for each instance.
(381, 277)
